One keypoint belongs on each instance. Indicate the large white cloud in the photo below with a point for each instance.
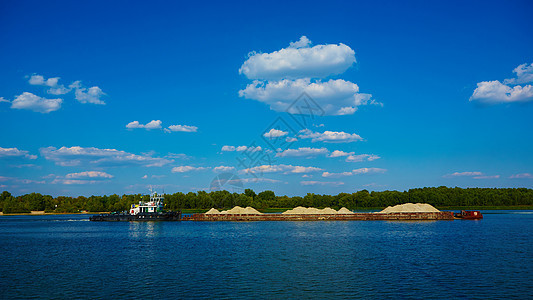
(275, 133)
(510, 91)
(494, 92)
(299, 60)
(474, 175)
(330, 136)
(335, 97)
(76, 156)
(14, 152)
(35, 103)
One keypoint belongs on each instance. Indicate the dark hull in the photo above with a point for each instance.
(162, 216)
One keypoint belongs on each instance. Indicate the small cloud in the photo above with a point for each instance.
(339, 153)
(14, 152)
(181, 128)
(184, 169)
(145, 177)
(462, 174)
(275, 133)
(87, 95)
(2, 99)
(53, 83)
(285, 169)
(303, 152)
(223, 169)
(361, 157)
(487, 177)
(323, 183)
(89, 174)
(241, 148)
(355, 172)
(522, 176)
(154, 124)
(330, 136)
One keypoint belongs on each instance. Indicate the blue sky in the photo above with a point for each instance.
(110, 97)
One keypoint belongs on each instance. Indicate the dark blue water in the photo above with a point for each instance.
(69, 257)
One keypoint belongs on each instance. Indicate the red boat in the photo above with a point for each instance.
(468, 215)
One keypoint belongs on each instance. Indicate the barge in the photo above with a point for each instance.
(403, 216)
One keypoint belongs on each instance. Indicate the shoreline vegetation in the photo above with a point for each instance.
(443, 198)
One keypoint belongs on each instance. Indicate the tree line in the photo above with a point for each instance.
(436, 196)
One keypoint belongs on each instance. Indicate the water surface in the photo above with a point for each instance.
(66, 256)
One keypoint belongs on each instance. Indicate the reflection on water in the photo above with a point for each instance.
(147, 229)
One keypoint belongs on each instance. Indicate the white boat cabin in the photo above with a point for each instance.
(154, 205)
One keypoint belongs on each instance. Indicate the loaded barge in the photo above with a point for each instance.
(324, 217)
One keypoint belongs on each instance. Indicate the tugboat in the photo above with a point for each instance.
(468, 215)
(144, 211)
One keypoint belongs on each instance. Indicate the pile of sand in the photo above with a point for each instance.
(213, 211)
(315, 211)
(237, 210)
(345, 211)
(409, 207)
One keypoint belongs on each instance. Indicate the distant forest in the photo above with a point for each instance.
(436, 196)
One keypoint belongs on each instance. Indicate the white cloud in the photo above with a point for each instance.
(240, 148)
(510, 91)
(145, 177)
(299, 60)
(524, 74)
(183, 169)
(35, 103)
(328, 183)
(339, 153)
(90, 95)
(154, 124)
(20, 180)
(522, 176)
(285, 169)
(14, 152)
(335, 97)
(182, 128)
(89, 174)
(258, 180)
(487, 177)
(355, 172)
(462, 174)
(304, 151)
(330, 136)
(301, 43)
(53, 83)
(494, 92)
(223, 169)
(75, 156)
(275, 133)
(368, 171)
(291, 139)
(2, 99)
(336, 175)
(362, 157)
